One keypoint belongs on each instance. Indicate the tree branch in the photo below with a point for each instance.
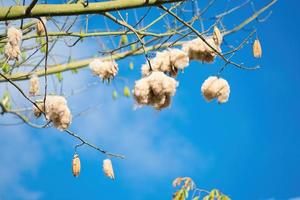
(40, 10)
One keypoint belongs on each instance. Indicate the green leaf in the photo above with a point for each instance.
(133, 46)
(214, 194)
(115, 95)
(74, 71)
(23, 55)
(6, 100)
(126, 91)
(59, 76)
(42, 42)
(224, 197)
(6, 68)
(124, 39)
(131, 66)
(196, 198)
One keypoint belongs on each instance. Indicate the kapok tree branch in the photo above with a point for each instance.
(44, 10)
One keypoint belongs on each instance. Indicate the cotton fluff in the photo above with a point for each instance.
(12, 47)
(197, 49)
(39, 26)
(168, 61)
(105, 69)
(215, 87)
(108, 169)
(56, 110)
(34, 86)
(155, 90)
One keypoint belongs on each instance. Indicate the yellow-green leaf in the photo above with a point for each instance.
(115, 95)
(59, 76)
(126, 91)
(131, 66)
(6, 68)
(124, 39)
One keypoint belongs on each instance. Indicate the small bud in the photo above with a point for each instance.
(76, 165)
(108, 169)
(257, 52)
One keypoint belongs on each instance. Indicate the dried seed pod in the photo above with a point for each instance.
(34, 85)
(217, 36)
(257, 52)
(40, 27)
(76, 165)
(108, 169)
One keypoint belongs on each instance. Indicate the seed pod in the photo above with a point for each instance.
(40, 27)
(76, 165)
(34, 85)
(217, 36)
(257, 52)
(108, 169)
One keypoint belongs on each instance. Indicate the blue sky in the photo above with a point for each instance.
(248, 148)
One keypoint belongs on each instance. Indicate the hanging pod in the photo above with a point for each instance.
(76, 165)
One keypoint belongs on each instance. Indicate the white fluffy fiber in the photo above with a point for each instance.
(214, 87)
(34, 85)
(155, 90)
(12, 47)
(56, 110)
(197, 49)
(105, 69)
(168, 61)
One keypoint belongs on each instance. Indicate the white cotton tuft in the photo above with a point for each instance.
(197, 49)
(105, 69)
(12, 52)
(40, 30)
(168, 61)
(155, 90)
(56, 110)
(215, 87)
(108, 168)
(12, 48)
(34, 86)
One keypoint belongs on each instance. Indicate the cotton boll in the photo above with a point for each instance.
(39, 26)
(215, 87)
(179, 59)
(12, 52)
(199, 50)
(14, 36)
(108, 169)
(168, 61)
(34, 86)
(142, 91)
(12, 48)
(104, 69)
(56, 110)
(155, 90)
